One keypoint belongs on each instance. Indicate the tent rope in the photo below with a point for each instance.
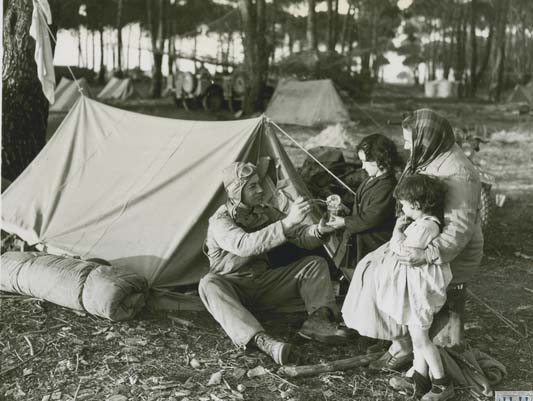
(369, 116)
(311, 156)
(80, 89)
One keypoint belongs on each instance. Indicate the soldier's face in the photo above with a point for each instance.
(252, 193)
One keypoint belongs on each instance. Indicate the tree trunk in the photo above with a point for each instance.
(311, 26)
(139, 48)
(473, 48)
(25, 108)
(119, 38)
(329, 39)
(157, 36)
(461, 50)
(486, 56)
(128, 46)
(448, 60)
(101, 73)
(93, 64)
(336, 17)
(79, 48)
(433, 52)
(345, 27)
(255, 52)
(171, 50)
(502, 16)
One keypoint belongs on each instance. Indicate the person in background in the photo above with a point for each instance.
(240, 235)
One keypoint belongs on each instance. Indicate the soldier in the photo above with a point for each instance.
(240, 235)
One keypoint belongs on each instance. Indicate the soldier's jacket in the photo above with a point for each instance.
(240, 245)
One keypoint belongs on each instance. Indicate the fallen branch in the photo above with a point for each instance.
(342, 364)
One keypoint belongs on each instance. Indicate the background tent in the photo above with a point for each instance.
(67, 93)
(117, 88)
(138, 190)
(307, 103)
(522, 94)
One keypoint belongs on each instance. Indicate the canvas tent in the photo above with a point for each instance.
(307, 103)
(137, 190)
(521, 94)
(67, 92)
(117, 88)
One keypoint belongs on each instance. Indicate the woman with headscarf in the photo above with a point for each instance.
(431, 141)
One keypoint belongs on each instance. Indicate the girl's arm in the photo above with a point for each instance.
(378, 210)
(419, 236)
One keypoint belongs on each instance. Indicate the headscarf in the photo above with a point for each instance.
(432, 136)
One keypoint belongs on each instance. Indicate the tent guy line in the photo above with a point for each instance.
(80, 89)
(311, 156)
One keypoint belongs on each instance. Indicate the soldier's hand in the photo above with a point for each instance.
(297, 213)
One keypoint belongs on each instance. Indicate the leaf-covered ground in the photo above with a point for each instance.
(52, 353)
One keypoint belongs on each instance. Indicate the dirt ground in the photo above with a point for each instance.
(52, 353)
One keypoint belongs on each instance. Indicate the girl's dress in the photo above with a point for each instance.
(412, 295)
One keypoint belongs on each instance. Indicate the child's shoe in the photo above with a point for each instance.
(441, 390)
(413, 384)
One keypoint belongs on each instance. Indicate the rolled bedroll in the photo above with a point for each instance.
(106, 291)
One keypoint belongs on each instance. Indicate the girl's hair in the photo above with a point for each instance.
(428, 192)
(380, 149)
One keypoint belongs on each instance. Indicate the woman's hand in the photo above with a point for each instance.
(413, 257)
(336, 222)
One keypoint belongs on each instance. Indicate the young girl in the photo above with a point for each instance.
(372, 219)
(413, 295)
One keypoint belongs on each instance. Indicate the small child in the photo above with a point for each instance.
(413, 295)
(372, 219)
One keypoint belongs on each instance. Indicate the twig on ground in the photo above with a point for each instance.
(77, 391)
(29, 344)
(23, 362)
(17, 354)
(343, 364)
(282, 379)
(181, 321)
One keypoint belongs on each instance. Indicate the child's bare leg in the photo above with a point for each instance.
(427, 352)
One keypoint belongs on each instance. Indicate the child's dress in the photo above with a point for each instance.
(412, 295)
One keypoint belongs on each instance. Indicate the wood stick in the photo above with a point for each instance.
(281, 378)
(342, 364)
(29, 344)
